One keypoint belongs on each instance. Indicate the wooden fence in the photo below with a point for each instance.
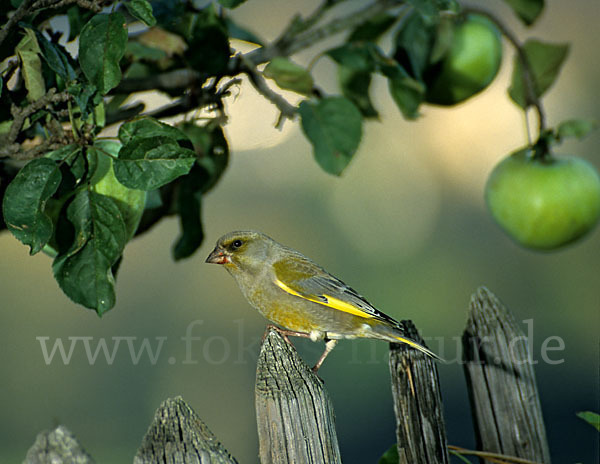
(296, 420)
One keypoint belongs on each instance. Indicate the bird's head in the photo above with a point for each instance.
(242, 251)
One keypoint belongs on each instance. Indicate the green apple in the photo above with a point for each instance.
(469, 65)
(544, 203)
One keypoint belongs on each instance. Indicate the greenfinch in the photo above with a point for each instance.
(297, 294)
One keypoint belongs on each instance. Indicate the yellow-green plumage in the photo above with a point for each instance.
(294, 292)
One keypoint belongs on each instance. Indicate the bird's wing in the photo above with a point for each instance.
(299, 276)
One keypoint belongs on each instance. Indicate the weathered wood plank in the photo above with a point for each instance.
(501, 381)
(420, 430)
(57, 446)
(293, 410)
(178, 436)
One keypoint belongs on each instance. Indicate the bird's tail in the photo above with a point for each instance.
(397, 334)
(418, 346)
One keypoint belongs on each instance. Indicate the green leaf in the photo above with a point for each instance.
(545, 61)
(146, 127)
(63, 153)
(356, 55)
(83, 93)
(212, 150)
(334, 127)
(130, 202)
(77, 19)
(57, 58)
(289, 75)
(407, 92)
(188, 205)
(575, 128)
(355, 87)
(84, 272)
(430, 9)
(372, 29)
(591, 418)
(231, 3)
(527, 10)
(408, 95)
(143, 52)
(208, 44)
(235, 31)
(28, 52)
(101, 47)
(414, 43)
(142, 10)
(149, 163)
(25, 199)
(390, 456)
(69, 155)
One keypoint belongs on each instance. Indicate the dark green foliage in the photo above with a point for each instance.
(527, 10)
(84, 270)
(334, 127)
(545, 60)
(142, 10)
(25, 200)
(101, 47)
(80, 198)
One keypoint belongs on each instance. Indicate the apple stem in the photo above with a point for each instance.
(541, 148)
(529, 85)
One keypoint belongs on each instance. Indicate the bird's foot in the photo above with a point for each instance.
(285, 333)
(329, 346)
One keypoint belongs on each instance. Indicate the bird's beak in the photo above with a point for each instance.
(218, 256)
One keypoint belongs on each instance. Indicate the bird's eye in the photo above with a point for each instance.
(236, 244)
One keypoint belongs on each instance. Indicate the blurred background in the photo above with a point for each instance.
(405, 225)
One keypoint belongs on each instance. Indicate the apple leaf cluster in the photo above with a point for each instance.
(72, 192)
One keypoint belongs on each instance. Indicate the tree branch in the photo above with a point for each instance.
(125, 113)
(21, 12)
(298, 25)
(9, 146)
(529, 84)
(172, 80)
(287, 110)
(298, 35)
(30, 6)
(292, 42)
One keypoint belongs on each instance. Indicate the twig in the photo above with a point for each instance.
(307, 38)
(183, 105)
(529, 84)
(123, 114)
(29, 6)
(298, 25)
(172, 80)
(20, 115)
(287, 110)
(21, 12)
(50, 144)
(300, 34)
(12, 149)
(494, 457)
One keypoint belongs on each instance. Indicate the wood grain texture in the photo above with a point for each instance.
(502, 389)
(178, 436)
(420, 431)
(293, 410)
(57, 446)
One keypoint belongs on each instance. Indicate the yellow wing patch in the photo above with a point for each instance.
(330, 302)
